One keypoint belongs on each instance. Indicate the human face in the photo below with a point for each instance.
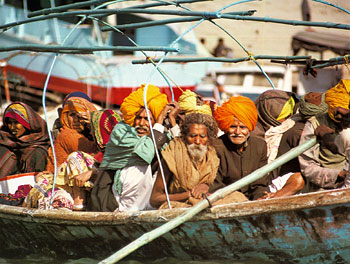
(238, 132)
(141, 123)
(313, 98)
(16, 128)
(197, 142)
(197, 135)
(74, 121)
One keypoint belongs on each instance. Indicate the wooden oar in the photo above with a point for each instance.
(149, 236)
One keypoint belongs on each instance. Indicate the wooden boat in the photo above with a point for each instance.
(305, 228)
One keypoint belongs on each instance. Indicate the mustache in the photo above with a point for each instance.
(197, 152)
(143, 127)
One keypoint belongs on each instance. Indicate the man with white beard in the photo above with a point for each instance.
(189, 163)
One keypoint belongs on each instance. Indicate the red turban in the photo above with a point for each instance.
(240, 107)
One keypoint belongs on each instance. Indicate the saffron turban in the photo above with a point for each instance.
(338, 96)
(188, 103)
(132, 104)
(77, 104)
(239, 107)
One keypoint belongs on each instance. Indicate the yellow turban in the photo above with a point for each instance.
(338, 96)
(239, 107)
(188, 103)
(156, 101)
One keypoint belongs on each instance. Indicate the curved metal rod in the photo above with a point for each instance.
(330, 4)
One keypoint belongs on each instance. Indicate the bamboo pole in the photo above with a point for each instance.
(220, 59)
(176, 20)
(188, 13)
(259, 173)
(63, 8)
(333, 61)
(83, 50)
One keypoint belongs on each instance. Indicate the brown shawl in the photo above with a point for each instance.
(186, 174)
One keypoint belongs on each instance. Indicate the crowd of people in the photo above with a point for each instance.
(175, 153)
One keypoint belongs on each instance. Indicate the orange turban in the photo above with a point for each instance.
(156, 101)
(338, 96)
(240, 107)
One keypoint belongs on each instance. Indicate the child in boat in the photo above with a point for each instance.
(24, 141)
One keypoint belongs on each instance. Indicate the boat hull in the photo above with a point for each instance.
(300, 229)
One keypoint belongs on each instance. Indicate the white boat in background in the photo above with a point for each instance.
(106, 77)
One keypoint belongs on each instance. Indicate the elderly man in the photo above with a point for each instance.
(190, 164)
(125, 179)
(322, 168)
(239, 152)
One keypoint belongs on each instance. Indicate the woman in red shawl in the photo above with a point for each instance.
(23, 141)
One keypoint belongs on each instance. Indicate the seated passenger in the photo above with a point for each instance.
(190, 164)
(75, 173)
(280, 139)
(23, 141)
(74, 135)
(125, 178)
(240, 153)
(322, 168)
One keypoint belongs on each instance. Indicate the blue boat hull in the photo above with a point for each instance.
(300, 229)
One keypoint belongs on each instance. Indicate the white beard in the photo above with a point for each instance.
(197, 152)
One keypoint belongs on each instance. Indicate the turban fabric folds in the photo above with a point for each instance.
(188, 103)
(338, 96)
(240, 107)
(132, 104)
(309, 109)
(17, 112)
(77, 104)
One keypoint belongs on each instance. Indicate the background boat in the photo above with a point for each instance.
(106, 77)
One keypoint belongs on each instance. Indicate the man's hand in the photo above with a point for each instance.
(199, 189)
(174, 113)
(167, 108)
(80, 179)
(322, 130)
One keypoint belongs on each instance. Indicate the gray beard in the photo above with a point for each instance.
(197, 152)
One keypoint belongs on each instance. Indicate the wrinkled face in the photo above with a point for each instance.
(141, 123)
(197, 135)
(197, 142)
(74, 121)
(238, 132)
(16, 128)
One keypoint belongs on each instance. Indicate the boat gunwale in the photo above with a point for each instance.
(249, 208)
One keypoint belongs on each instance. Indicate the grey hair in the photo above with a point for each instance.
(200, 119)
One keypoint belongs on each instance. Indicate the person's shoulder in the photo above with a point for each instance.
(256, 140)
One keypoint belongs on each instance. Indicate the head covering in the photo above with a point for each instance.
(273, 105)
(132, 104)
(240, 107)
(188, 103)
(338, 96)
(38, 135)
(76, 94)
(308, 109)
(78, 104)
(102, 124)
(17, 112)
